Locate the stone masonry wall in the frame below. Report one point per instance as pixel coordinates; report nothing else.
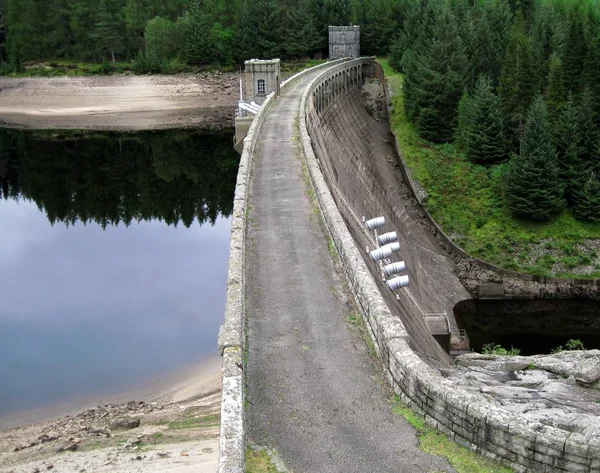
(232, 440)
(482, 426)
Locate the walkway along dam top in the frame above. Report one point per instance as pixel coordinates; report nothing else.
(467, 417)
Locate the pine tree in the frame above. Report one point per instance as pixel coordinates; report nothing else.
(465, 121)
(518, 80)
(379, 24)
(589, 131)
(485, 136)
(569, 146)
(302, 36)
(575, 52)
(586, 199)
(556, 91)
(498, 18)
(337, 12)
(436, 72)
(591, 70)
(20, 31)
(534, 188)
(197, 46)
(260, 30)
(105, 33)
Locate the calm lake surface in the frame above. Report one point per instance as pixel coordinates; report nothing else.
(532, 325)
(113, 259)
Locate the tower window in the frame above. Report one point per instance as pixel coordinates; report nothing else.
(261, 87)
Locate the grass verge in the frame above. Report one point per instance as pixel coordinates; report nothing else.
(259, 461)
(211, 420)
(431, 441)
(465, 199)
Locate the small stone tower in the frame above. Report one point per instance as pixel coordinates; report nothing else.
(344, 41)
(261, 77)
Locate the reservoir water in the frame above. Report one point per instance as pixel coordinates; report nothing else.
(534, 326)
(113, 259)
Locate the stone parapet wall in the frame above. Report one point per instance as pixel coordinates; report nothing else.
(466, 418)
(232, 442)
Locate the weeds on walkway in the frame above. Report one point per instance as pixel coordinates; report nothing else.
(431, 441)
(259, 461)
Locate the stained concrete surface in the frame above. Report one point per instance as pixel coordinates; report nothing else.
(314, 394)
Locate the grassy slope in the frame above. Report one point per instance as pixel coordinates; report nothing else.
(466, 200)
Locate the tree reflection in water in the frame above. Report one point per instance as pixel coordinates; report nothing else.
(109, 178)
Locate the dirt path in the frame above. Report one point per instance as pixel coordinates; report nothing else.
(176, 432)
(120, 102)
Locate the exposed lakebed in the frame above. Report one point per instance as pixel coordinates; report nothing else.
(113, 259)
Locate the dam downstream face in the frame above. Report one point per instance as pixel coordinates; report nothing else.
(534, 326)
(113, 259)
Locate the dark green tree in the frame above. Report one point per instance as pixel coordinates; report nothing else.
(591, 69)
(260, 30)
(302, 36)
(485, 141)
(518, 80)
(465, 121)
(337, 12)
(556, 92)
(197, 42)
(569, 145)
(21, 29)
(534, 189)
(435, 76)
(575, 52)
(379, 25)
(106, 33)
(589, 131)
(586, 198)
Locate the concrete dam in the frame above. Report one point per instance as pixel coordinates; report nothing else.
(348, 150)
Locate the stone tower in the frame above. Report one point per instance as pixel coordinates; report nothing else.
(344, 41)
(261, 77)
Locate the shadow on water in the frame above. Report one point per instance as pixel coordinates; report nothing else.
(109, 178)
(534, 326)
(136, 291)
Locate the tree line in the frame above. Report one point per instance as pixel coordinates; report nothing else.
(158, 35)
(511, 81)
(505, 80)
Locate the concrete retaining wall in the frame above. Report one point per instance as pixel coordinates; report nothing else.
(490, 430)
(232, 442)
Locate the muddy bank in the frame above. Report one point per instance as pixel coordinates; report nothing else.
(120, 102)
(175, 431)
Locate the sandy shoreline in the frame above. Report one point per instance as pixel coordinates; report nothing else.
(120, 102)
(174, 386)
(177, 431)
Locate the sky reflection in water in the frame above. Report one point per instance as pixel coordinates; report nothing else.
(86, 310)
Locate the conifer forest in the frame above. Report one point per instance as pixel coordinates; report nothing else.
(505, 81)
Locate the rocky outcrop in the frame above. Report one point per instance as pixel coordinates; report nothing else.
(560, 390)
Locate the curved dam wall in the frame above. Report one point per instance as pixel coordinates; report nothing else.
(341, 143)
(355, 154)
